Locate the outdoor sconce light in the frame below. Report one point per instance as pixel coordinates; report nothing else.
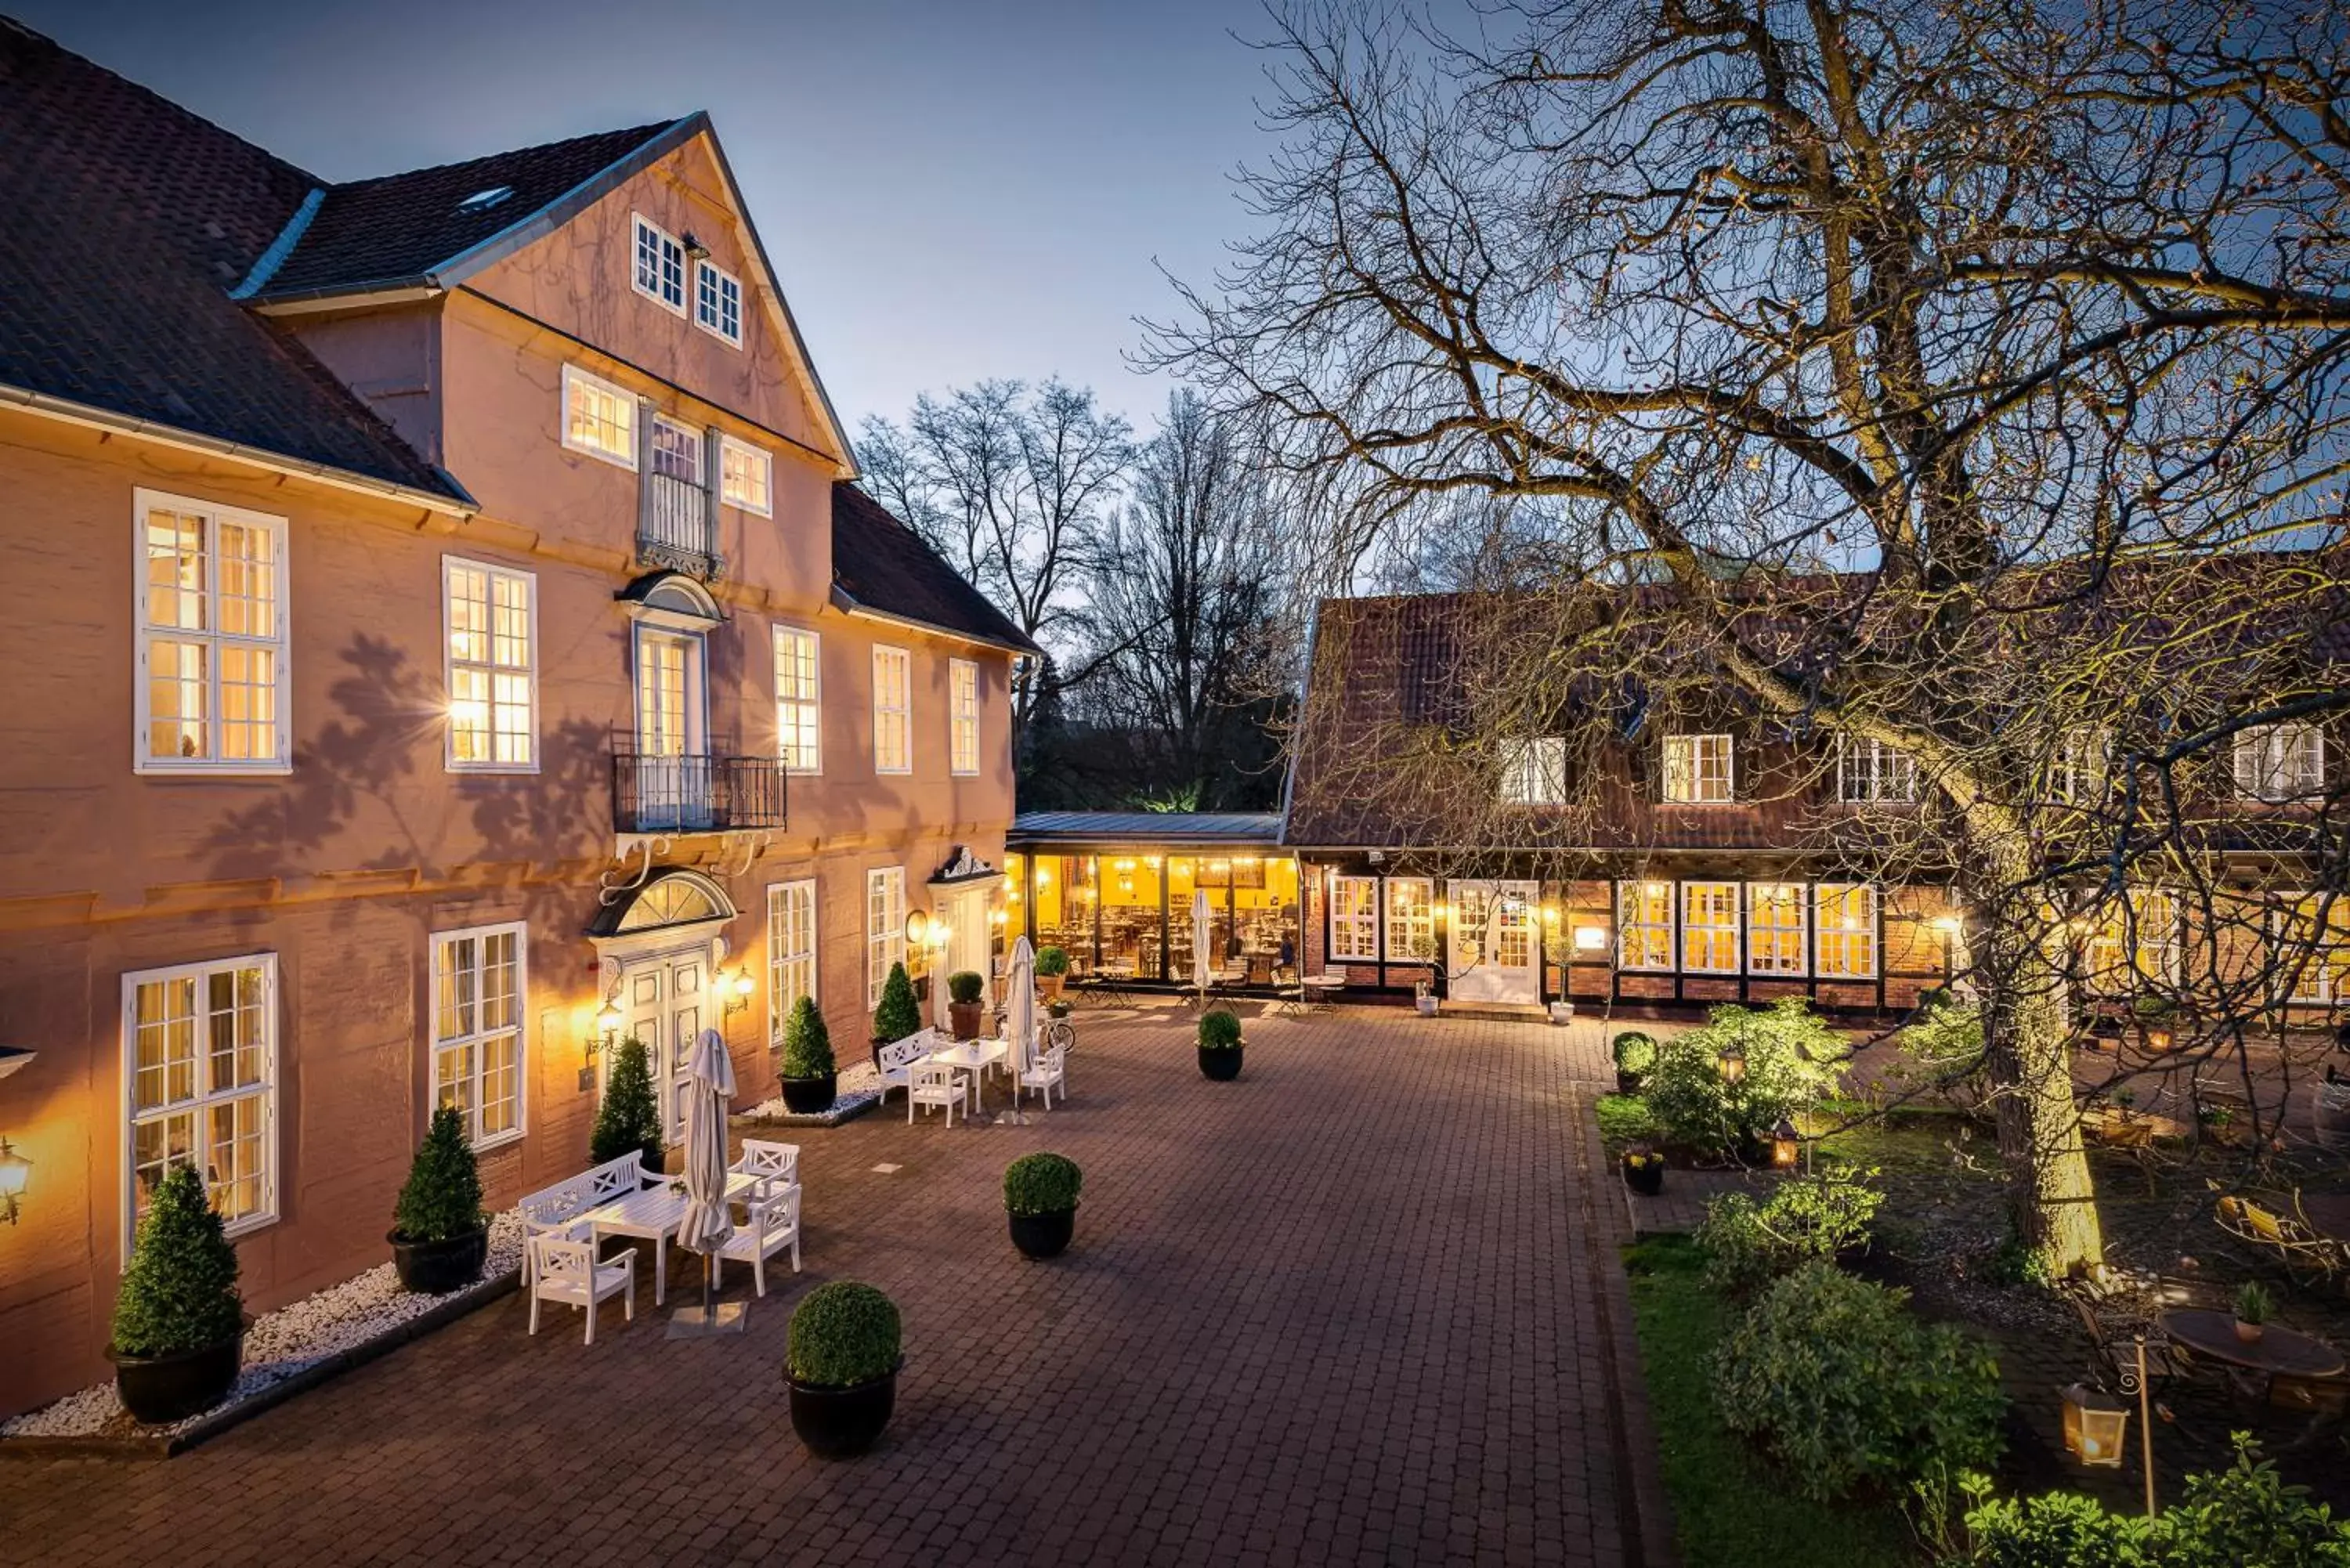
(1786, 1143)
(609, 1020)
(1948, 925)
(739, 987)
(1732, 1063)
(2096, 1426)
(694, 247)
(14, 1171)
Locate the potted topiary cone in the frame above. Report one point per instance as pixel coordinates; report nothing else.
(178, 1322)
(810, 1076)
(899, 1014)
(841, 1364)
(440, 1237)
(1051, 969)
(1040, 1194)
(629, 1116)
(1220, 1045)
(964, 1009)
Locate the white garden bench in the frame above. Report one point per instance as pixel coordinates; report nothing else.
(896, 1061)
(557, 1210)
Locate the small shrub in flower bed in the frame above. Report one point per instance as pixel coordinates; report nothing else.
(1806, 1220)
(1788, 1058)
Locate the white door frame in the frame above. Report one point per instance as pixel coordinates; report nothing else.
(1475, 976)
(656, 957)
(960, 909)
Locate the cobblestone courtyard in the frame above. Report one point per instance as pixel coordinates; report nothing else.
(1360, 1306)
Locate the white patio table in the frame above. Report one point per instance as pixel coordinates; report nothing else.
(654, 1213)
(973, 1056)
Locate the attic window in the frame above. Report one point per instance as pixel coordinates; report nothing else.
(482, 201)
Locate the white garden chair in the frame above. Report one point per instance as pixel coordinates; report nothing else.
(568, 1272)
(775, 1225)
(778, 1161)
(1046, 1072)
(938, 1084)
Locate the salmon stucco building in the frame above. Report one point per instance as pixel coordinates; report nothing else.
(448, 635)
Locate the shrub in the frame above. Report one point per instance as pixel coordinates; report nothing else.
(1837, 1379)
(1942, 1048)
(843, 1333)
(2233, 1517)
(629, 1116)
(1791, 1058)
(180, 1292)
(1635, 1052)
(1042, 1184)
(1807, 1219)
(1052, 960)
(807, 1044)
(1220, 1031)
(2018, 1263)
(441, 1199)
(966, 986)
(2059, 1530)
(898, 1016)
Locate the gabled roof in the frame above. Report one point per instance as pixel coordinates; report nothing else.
(1146, 827)
(883, 567)
(129, 222)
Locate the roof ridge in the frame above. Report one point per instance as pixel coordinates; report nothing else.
(646, 132)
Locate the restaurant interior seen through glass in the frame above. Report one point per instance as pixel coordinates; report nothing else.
(1128, 914)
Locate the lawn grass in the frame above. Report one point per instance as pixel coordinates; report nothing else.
(1624, 1119)
(1730, 1510)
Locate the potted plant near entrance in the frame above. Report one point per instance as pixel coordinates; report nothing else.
(1220, 1045)
(841, 1365)
(1052, 970)
(1644, 1170)
(1635, 1054)
(629, 1116)
(964, 1009)
(1040, 1194)
(179, 1322)
(899, 1014)
(2254, 1309)
(440, 1237)
(810, 1076)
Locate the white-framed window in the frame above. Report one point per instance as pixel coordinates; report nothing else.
(480, 993)
(490, 617)
(598, 417)
(1871, 771)
(717, 302)
(2082, 768)
(676, 450)
(659, 272)
(211, 637)
(1844, 919)
(2311, 948)
(885, 928)
(893, 713)
(2278, 763)
(1778, 929)
(1710, 927)
(791, 951)
(799, 690)
(200, 1078)
(1354, 919)
(1411, 918)
(2135, 940)
(1644, 926)
(962, 716)
(1533, 771)
(1697, 770)
(746, 476)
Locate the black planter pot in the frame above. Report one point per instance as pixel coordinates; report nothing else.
(810, 1096)
(1044, 1235)
(1221, 1063)
(655, 1162)
(967, 1019)
(436, 1268)
(841, 1423)
(1627, 1083)
(160, 1388)
(1647, 1180)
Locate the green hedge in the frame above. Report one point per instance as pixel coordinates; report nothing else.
(2236, 1518)
(1791, 1058)
(1806, 1220)
(1042, 1184)
(843, 1333)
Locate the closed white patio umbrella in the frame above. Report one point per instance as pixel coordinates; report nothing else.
(1020, 1020)
(1203, 935)
(708, 1090)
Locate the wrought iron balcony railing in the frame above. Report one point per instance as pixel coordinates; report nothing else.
(676, 527)
(694, 793)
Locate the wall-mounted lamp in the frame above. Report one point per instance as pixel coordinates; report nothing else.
(608, 1019)
(15, 1169)
(918, 929)
(739, 987)
(695, 248)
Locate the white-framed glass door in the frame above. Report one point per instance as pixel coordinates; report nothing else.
(664, 997)
(673, 783)
(1493, 952)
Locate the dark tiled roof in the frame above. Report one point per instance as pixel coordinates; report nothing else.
(128, 221)
(396, 229)
(1146, 827)
(883, 565)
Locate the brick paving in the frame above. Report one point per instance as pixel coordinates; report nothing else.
(1360, 1306)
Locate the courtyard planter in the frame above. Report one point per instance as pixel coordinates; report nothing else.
(1220, 1046)
(436, 1268)
(440, 1237)
(1040, 1196)
(1645, 1173)
(967, 1018)
(160, 1389)
(179, 1322)
(810, 1096)
(842, 1423)
(841, 1363)
(1044, 1236)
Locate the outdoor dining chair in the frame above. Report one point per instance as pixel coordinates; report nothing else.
(762, 1157)
(775, 1224)
(1049, 1071)
(568, 1272)
(938, 1084)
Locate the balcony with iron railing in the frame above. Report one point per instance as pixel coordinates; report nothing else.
(693, 792)
(677, 526)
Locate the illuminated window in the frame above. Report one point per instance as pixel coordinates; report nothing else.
(1697, 770)
(893, 721)
(1873, 772)
(885, 928)
(1845, 947)
(1533, 772)
(211, 637)
(2078, 772)
(962, 716)
(746, 476)
(2313, 948)
(1644, 925)
(791, 951)
(199, 1049)
(718, 303)
(478, 999)
(1355, 918)
(799, 723)
(2135, 940)
(1776, 928)
(1412, 918)
(1710, 927)
(660, 271)
(492, 622)
(2278, 763)
(598, 417)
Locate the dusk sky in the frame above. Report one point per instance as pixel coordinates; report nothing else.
(949, 190)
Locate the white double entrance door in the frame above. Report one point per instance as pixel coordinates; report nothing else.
(668, 1002)
(1495, 952)
(962, 913)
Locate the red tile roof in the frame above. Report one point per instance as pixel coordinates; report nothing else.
(883, 565)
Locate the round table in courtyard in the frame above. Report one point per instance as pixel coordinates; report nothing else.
(2279, 1351)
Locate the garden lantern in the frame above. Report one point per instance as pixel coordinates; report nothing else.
(1786, 1143)
(1732, 1064)
(15, 1169)
(2095, 1427)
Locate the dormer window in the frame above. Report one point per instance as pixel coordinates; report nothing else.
(659, 272)
(1533, 772)
(2279, 762)
(1697, 770)
(718, 303)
